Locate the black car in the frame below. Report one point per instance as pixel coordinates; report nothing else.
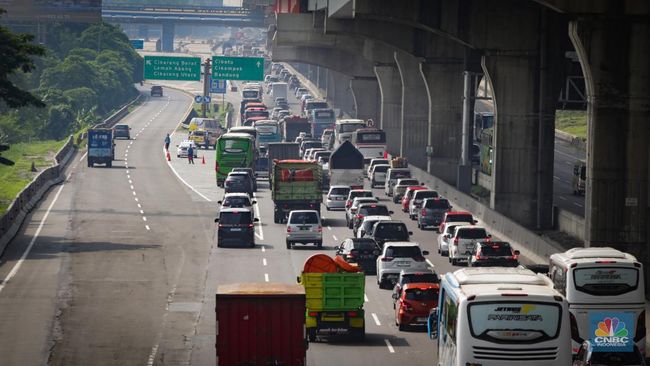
(494, 253)
(251, 174)
(385, 231)
(236, 226)
(238, 182)
(122, 131)
(362, 251)
(156, 90)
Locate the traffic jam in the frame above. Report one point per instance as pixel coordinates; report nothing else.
(584, 307)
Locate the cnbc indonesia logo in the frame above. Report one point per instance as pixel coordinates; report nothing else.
(611, 333)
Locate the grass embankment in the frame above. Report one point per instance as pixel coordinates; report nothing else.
(14, 178)
(220, 115)
(572, 122)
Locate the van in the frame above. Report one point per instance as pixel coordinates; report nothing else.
(392, 175)
(236, 226)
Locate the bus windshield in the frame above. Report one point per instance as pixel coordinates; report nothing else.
(250, 94)
(266, 129)
(514, 321)
(350, 127)
(234, 146)
(374, 137)
(606, 281)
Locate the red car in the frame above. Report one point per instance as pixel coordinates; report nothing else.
(413, 305)
(456, 217)
(408, 194)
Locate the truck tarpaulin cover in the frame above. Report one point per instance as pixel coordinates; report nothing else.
(346, 156)
(296, 175)
(288, 6)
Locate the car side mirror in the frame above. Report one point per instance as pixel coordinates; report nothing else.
(410, 233)
(489, 235)
(216, 220)
(421, 183)
(254, 202)
(425, 252)
(517, 252)
(219, 202)
(432, 324)
(176, 145)
(395, 296)
(256, 220)
(390, 212)
(474, 222)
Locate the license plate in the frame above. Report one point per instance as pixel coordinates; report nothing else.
(235, 229)
(304, 228)
(403, 264)
(421, 320)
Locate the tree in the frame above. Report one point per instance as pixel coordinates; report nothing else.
(17, 51)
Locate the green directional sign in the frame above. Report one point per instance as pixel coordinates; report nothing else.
(237, 68)
(172, 68)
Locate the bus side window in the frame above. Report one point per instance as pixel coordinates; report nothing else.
(450, 313)
(559, 280)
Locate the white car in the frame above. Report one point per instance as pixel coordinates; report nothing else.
(352, 210)
(181, 152)
(376, 161)
(463, 242)
(377, 175)
(397, 256)
(400, 188)
(443, 240)
(303, 227)
(335, 199)
(367, 224)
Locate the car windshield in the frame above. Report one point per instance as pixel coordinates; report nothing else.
(236, 202)
(441, 204)
(304, 218)
(399, 174)
(403, 252)
(374, 210)
(460, 218)
(496, 250)
(420, 277)
(425, 194)
(364, 245)
(381, 169)
(235, 218)
(417, 294)
(354, 195)
(340, 191)
(396, 231)
(472, 234)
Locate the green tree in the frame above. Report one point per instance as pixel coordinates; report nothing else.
(81, 98)
(73, 72)
(60, 119)
(17, 51)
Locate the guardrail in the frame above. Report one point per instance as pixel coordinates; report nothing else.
(27, 199)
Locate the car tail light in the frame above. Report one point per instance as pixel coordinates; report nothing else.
(320, 229)
(456, 241)
(640, 327)
(352, 314)
(419, 258)
(220, 225)
(311, 205)
(288, 229)
(353, 254)
(387, 259)
(313, 314)
(423, 212)
(478, 255)
(359, 216)
(286, 206)
(250, 226)
(353, 209)
(348, 203)
(514, 257)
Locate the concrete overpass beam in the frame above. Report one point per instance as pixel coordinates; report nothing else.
(614, 57)
(168, 29)
(444, 85)
(365, 92)
(390, 92)
(414, 118)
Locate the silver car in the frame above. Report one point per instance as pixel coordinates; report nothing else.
(304, 227)
(400, 188)
(335, 199)
(378, 175)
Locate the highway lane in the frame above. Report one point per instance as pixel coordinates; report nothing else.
(565, 157)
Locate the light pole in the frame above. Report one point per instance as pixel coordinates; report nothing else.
(206, 86)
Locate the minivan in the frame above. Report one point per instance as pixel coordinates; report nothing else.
(304, 227)
(236, 226)
(392, 175)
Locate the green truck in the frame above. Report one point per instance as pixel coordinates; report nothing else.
(295, 185)
(334, 304)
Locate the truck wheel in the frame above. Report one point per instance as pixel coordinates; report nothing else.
(319, 244)
(109, 164)
(311, 335)
(358, 334)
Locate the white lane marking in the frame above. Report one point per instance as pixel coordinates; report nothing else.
(390, 346)
(259, 224)
(134, 193)
(365, 298)
(429, 263)
(132, 187)
(130, 181)
(152, 355)
(263, 248)
(266, 277)
(374, 316)
(181, 179)
(139, 205)
(142, 212)
(20, 262)
(556, 177)
(264, 261)
(126, 154)
(136, 199)
(334, 236)
(562, 198)
(565, 154)
(127, 172)
(147, 226)
(577, 204)
(131, 143)
(83, 156)
(329, 227)
(144, 218)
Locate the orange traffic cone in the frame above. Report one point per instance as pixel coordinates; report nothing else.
(169, 158)
(203, 160)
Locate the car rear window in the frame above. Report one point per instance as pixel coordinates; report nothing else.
(403, 252)
(417, 294)
(304, 218)
(340, 191)
(236, 202)
(441, 204)
(354, 195)
(365, 245)
(121, 127)
(397, 231)
(460, 218)
(472, 233)
(381, 169)
(235, 218)
(372, 211)
(420, 195)
(496, 250)
(408, 182)
(420, 277)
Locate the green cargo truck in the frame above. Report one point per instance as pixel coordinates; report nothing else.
(295, 185)
(334, 304)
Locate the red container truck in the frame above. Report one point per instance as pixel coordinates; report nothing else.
(261, 324)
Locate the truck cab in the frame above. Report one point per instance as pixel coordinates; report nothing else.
(101, 148)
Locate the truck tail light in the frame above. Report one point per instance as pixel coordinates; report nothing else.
(250, 226)
(353, 314)
(320, 229)
(313, 314)
(387, 259)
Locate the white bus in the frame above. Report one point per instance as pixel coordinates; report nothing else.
(599, 284)
(371, 142)
(500, 316)
(344, 128)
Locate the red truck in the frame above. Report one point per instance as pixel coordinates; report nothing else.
(261, 324)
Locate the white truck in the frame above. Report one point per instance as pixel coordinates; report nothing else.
(279, 90)
(346, 166)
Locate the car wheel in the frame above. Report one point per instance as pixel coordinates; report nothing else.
(218, 243)
(402, 327)
(319, 244)
(439, 251)
(454, 262)
(288, 245)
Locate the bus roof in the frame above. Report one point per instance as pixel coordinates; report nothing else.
(232, 135)
(341, 121)
(499, 281)
(592, 255)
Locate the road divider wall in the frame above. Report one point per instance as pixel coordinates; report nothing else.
(571, 223)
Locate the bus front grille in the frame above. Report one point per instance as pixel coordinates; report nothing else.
(520, 354)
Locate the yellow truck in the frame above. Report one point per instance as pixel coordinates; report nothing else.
(203, 139)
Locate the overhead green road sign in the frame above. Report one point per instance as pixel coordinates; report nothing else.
(237, 68)
(172, 68)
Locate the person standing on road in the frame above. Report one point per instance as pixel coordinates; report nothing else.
(168, 140)
(190, 154)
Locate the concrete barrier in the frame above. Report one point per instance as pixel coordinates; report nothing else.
(571, 224)
(576, 141)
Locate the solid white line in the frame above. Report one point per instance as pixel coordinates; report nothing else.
(152, 355)
(429, 263)
(329, 227)
(183, 180)
(365, 298)
(83, 156)
(147, 226)
(18, 264)
(266, 277)
(264, 261)
(374, 316)
(390, 346)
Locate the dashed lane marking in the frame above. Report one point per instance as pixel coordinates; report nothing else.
(266, 277)
(264, 261)
(374, 316)
(365, 298)
(147, 227)
(390, 346)
(334, 236)
(83, 156)
(429, 263)
(263, 248)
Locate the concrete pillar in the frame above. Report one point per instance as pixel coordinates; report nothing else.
(443, 82)
(614, 57)
(339, 94)
(390, 108)
(365, 92)
(322, 78)
(414, 119)
(168, 29)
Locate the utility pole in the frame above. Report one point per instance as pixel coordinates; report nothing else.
(206, 86)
